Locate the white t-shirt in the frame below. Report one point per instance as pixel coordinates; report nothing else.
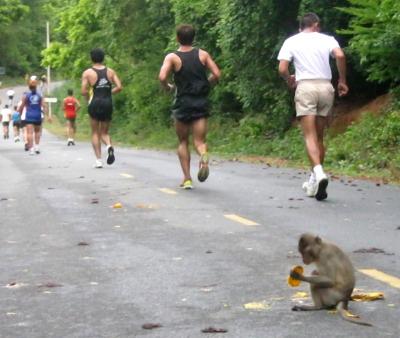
(310, 54)
(5, 113)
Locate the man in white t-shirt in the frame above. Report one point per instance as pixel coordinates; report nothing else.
(310, 50)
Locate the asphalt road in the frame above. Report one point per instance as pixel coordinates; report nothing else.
(74, 266)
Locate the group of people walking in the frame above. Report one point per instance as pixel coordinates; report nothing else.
(309, 50)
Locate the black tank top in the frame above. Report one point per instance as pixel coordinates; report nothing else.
(191, 79)
(102, 87)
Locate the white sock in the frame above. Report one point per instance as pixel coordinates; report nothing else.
(319, 172)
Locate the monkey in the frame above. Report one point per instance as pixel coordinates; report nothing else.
(333, 281)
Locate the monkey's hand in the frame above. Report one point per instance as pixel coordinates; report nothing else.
(295, 275)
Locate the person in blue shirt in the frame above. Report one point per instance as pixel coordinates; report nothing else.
(16, 118)
(34, 104)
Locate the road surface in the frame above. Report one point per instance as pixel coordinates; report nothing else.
(217, 256)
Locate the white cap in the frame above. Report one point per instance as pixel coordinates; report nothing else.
(10, 92)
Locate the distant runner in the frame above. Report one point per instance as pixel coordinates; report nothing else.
(310, 52)
(16, 118)
(5, 120)
(33, 102)
(191, 107)
(71, 107)
(97, 87)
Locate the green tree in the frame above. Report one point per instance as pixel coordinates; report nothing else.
(375, 37)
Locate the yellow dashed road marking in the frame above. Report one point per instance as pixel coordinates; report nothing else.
(168, 191)
(126, 175)
(381, 276)
(239, 219)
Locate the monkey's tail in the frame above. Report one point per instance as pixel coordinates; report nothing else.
(348, 317)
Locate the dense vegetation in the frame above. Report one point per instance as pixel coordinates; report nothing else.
(252, 109)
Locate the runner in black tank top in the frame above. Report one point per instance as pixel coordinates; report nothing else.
(100, 105)
(192, 85)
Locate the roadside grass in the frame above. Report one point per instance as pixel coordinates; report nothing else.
(7, 81)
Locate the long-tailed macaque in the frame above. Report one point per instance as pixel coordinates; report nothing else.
(333, 281)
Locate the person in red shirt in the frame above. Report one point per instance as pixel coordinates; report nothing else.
(71, 107)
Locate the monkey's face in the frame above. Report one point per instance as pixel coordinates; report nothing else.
(309, 247)
(307, 256)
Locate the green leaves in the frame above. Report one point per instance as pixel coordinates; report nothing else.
(375, 37)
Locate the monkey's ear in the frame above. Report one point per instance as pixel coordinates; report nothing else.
(318, 240)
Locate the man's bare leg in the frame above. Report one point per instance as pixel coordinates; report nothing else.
(96, 137)
(183, 131)
(309, 126)
(313, 130)
(199, 129)
(105, 137)
(321, 125)
(199, 140)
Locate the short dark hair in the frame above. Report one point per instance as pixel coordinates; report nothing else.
(308, 20)
(70, 92)
(97, 55)
(185, 34)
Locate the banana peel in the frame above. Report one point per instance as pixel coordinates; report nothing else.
(295, 282)
(367, 296)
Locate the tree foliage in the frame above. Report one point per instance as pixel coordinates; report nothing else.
(243, 36)
(375, 37)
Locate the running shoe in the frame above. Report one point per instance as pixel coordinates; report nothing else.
(26, 147)
(204, 171)
(98, 164)
(322, 184)
(111, 157)
(37, 150)
(31, 152)
(310, 188)
(187, 185)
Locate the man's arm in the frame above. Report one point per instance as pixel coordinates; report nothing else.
(85, 85)
(338, 53)
(117, 83)
(213, 68)
(165, 72)
(285, 74)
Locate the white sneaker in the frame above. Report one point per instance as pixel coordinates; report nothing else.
(310, 188)
(98, 164)
(322, 184)
(31, 152)
(37, 150)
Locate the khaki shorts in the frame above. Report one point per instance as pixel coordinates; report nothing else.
(314, 97)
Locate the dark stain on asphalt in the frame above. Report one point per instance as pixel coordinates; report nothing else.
(50, 188)
(3, 199)
(83, 244)
(95, 201)
(50, 285)
(398, 228)
(213, 330)
(374, 250)
(151, 326)
(209, 252)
